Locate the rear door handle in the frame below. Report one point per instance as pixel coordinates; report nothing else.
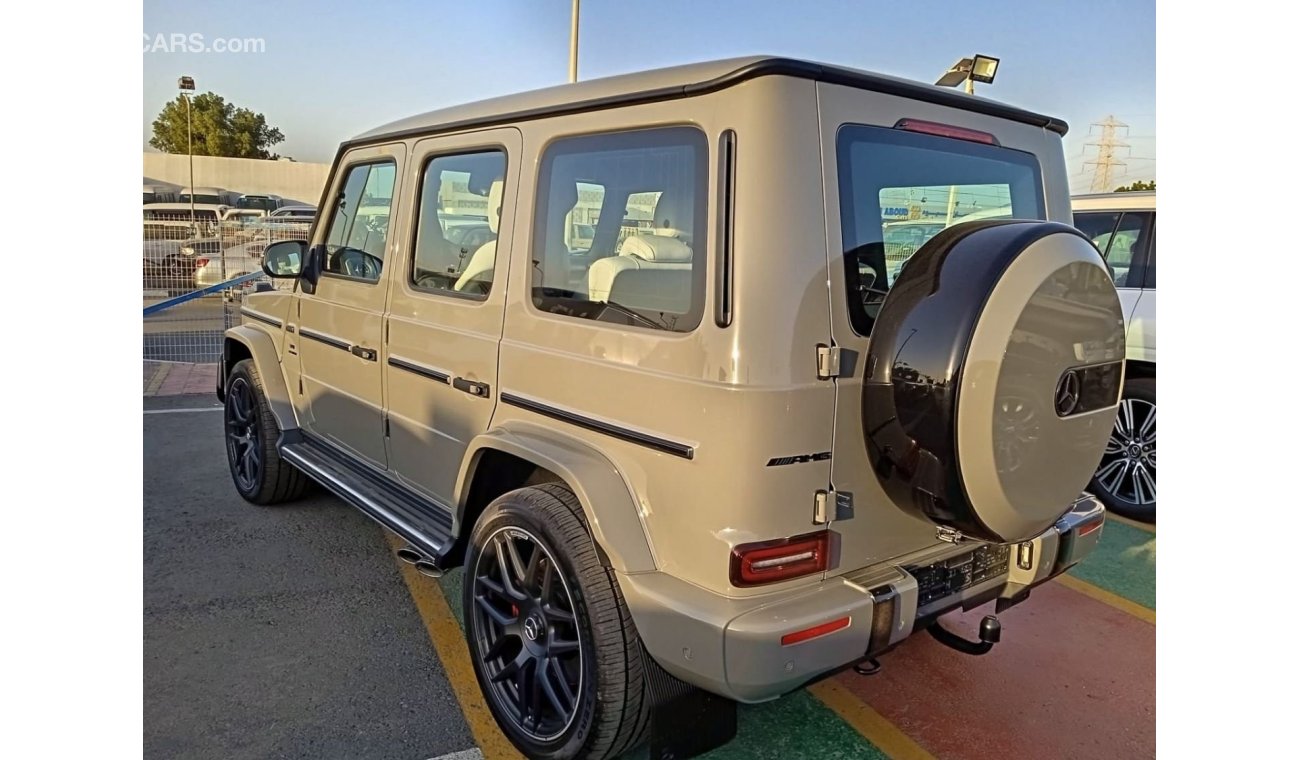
(482, 390)
(369, 354)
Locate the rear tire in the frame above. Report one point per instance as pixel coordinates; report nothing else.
(513, 623)
(258, 472)
(1126, 478)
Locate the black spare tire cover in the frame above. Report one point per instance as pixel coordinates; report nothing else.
(993, 377)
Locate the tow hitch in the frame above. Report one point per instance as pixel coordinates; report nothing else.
(990, 634)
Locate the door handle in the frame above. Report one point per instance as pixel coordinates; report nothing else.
(369, 354)
(471, 387)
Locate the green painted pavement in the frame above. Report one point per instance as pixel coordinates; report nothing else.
(796, 725)
(1123, 563)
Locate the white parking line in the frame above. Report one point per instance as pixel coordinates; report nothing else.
(468, 754)
(182, 411)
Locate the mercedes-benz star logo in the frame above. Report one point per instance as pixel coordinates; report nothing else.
(1067, 393)
(532, 628)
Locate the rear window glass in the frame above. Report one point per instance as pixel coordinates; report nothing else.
(899, 189)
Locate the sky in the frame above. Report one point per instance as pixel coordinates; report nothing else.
(326, 74)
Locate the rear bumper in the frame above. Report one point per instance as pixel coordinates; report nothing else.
(733, 647)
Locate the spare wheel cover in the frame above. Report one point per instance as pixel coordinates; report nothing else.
(993, 377)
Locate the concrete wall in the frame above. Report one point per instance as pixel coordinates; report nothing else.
(292, 180)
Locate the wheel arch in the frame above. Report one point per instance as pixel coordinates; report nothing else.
(531, 455)
(249, 342)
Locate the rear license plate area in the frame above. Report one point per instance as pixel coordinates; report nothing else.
(954, 575)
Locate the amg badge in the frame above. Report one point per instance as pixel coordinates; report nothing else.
(800, 459)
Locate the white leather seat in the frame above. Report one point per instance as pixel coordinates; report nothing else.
(650, 272)
(482, 264)
(639, 253)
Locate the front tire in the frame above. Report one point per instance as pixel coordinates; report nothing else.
(1125, 480)
(259, 474)
(554, 648)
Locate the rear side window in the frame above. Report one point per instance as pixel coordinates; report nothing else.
(620, 228)
(899, 189)
(358, 231)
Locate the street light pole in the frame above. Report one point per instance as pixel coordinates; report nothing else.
(573, 44)
(186, 86)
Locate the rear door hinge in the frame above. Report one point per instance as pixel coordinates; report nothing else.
(822, 503)
(828, 362)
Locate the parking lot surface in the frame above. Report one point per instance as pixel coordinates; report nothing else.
(293, 632)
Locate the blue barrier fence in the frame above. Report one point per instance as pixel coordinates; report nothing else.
(178, 300)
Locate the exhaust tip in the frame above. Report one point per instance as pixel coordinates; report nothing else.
(409, 555)
(428, 569)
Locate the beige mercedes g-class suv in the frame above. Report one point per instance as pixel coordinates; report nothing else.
(697, 433)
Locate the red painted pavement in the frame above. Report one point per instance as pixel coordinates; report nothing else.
(1072, 678)
(177, 379)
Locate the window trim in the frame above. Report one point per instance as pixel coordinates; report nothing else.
(392, 207)
(699, 290)
(841, 162)
(408, 281)
(724, 307)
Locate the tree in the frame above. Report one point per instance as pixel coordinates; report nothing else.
(1137, 187)
(220, 129)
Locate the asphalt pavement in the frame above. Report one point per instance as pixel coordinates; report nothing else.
(292, 632)
(274, 632)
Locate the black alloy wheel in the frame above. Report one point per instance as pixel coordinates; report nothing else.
(527, 640)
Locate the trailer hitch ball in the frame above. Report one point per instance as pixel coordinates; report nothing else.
(990, 634)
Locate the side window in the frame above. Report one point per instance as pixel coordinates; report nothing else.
(620, 228)
(456, 232)
(1123, 252)
(1098, 226)
(358, 231)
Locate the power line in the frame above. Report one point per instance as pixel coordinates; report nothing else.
(1106, 162)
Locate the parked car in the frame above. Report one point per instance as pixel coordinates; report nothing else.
(160, 192)
(298, 213)
(700, 465)
(1123, 227)
(267, 203)
(167, 267)
(217, 196)
(180, 221)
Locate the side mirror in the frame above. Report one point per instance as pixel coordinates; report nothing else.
(284, 258)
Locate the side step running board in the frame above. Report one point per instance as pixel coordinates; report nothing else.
(422, 523)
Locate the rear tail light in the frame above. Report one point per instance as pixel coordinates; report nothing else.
(946, 130)
(771, 561)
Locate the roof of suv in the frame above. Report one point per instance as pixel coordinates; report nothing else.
(680, 82)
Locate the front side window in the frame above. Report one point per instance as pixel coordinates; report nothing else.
(456, 233)
(899, 189)
(358, 231)
(620, 228)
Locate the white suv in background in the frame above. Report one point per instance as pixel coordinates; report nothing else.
(1123, 227)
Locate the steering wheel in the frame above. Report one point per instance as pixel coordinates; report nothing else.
(355, 263)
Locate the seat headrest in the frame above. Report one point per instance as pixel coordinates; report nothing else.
(672, 220)
(665, 250)
(494, 205)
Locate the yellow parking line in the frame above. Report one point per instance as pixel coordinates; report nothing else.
(449, 642)
(1131, 523)
(1106, 597)
(877, 729)
(156, 380)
